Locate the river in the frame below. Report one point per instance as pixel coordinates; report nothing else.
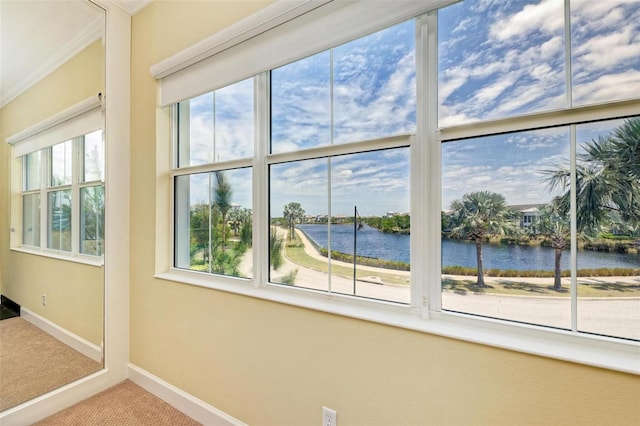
(372, 243)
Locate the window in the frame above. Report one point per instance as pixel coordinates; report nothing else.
(442, 162)
(213, 181)
(577, 258)
(63, 181)
(60, 185)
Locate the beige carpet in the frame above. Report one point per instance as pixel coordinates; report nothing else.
(32, 362)
(123, 404)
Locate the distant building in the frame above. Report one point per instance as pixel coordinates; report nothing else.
(529, 213)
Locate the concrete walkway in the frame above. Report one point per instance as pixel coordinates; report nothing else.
(618, 317)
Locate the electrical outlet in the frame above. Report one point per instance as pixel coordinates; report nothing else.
(329, 417)
(44, 300)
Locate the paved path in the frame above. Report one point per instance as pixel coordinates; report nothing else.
(613, 316)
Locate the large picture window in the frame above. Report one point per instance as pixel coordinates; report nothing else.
(477, 161)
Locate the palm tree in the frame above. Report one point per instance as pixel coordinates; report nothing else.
(293, 213)
(479, 215)
(607, 179)
(222, 199)
(554, 225)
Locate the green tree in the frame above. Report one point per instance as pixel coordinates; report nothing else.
(478, 215)
(222, 200)
(607, 179)
(293, 213)
(553, 224)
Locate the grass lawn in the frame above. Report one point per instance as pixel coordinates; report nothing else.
(603, 289)
(298, 255)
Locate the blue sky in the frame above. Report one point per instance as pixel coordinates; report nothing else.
(496, 59)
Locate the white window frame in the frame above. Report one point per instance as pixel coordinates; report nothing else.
(72, 125)
(425, 313)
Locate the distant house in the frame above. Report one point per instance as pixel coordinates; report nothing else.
(529, 213)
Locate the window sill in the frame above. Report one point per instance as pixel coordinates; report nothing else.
(76, 258)
(597, 351)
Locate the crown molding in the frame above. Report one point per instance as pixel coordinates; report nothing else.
(91, 32)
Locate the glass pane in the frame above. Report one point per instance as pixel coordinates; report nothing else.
(608, 211)
(31, 164)
(505, 244)
(374, 93)
(605, 52)
(92, 220)
(298, 195)
(213, 229)
(499, 59)
(217, 126)
(93, 157)
(61, 164)
(375, 85)
(369, 218)
(59, 237)
(31, 220)
(301, 104)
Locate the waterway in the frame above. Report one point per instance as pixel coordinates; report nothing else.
(372, 243)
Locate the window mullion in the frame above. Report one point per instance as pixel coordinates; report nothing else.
(574, 228)
(429, 206)
(45, 179)
(260, 183)
(567, 55)
(76, 177)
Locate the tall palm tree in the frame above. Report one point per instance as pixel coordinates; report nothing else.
(293, 213)
(478, 215)
(554, 225)
(222, 199)
(607, 178)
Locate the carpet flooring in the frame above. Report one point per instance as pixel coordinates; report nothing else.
(33, 362)
(125, 404)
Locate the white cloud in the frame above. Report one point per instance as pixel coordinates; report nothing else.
(547, 16)
(608, 87)
(606, 51)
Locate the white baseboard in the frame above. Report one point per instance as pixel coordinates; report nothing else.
(193, 407)
(76, 342)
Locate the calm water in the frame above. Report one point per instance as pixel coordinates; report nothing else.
(372, 243)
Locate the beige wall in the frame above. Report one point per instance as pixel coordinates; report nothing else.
(74, 291)
(272, 364)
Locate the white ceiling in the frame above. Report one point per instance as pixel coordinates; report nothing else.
(37, 36)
